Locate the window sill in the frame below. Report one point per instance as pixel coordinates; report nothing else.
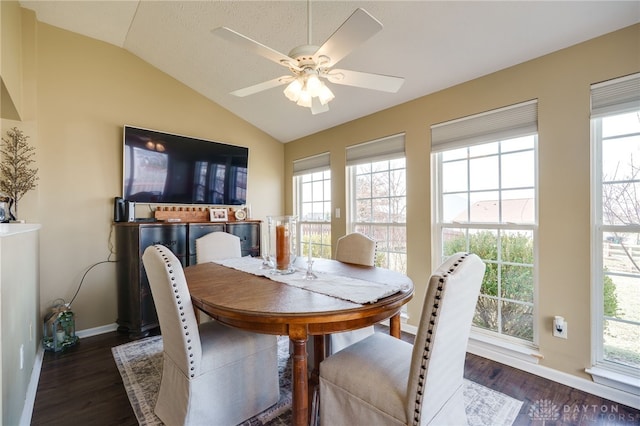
(615, 380)
(500, 350)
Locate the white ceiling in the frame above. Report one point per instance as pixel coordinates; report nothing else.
(432, 44)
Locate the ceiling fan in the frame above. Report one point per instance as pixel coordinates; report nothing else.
(308, 63)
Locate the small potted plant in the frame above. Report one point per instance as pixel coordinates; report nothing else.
(16, 176)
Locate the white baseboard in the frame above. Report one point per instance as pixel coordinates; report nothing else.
(576, 382)
(32, 389)
(97, 330)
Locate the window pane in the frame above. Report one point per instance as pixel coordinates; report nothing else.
(622, 124)
(453, 241)
(397, 179)
(380, 210)
(363, 210)
(454, 176)
(363, 186)
(517, 283)
(454, 208)
(454, 154)
(484, 149)
(397, 240)
(483, 173)
(517, 144)
(398, 163)
(363, 168)
(622, 297)
(518, 206)
(621, 203)
(620, 158)
(398, 208)
(621, 343)
(380, 184)
(621, 252)
(317, 189)
(486, 315)
(517, 320)
(484, 207)
(517, 247)
(397, 262)
(517, 170)
(484, 243)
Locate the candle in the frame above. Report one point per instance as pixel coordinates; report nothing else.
(282, 247)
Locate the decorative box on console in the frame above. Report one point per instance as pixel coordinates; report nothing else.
(182, 214)
(199, 214)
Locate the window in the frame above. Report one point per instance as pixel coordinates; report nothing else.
(312, 204)
(377, 198)
(615, 127)
(485, 203)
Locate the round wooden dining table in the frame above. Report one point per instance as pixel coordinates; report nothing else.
(259, 304)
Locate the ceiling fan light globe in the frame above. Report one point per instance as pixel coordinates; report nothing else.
(293, 90)
(305, 99)
(326, 95)
(314, 85)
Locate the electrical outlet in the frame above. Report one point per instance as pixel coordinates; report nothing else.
(560, 327)
(21, 357)
(31, 332)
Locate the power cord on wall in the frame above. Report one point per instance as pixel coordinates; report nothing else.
(85, 274)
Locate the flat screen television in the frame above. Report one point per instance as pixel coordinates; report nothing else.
(165, 168)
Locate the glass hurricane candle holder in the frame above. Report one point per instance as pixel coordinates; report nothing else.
(282, 235)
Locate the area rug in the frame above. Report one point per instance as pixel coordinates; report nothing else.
(140, 365)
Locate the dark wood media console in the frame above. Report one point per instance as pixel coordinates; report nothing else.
(136, 310)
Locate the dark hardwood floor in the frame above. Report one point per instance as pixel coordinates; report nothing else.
(82, 386)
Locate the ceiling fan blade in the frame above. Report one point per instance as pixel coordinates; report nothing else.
(357, 29)
(241, 93)
(317, 107)
(384, 83)
(254, 47)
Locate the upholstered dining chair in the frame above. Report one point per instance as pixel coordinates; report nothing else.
(211, 374)
(382, 380)
(217, 245)
(358, 249)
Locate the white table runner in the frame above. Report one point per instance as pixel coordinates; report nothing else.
(346, 288)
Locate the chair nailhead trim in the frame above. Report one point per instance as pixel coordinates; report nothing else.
(426, 354)
(163, 251)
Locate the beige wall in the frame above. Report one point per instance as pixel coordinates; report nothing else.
(561, 83)
(85, 91)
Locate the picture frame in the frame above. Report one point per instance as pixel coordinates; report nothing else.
(218, 215)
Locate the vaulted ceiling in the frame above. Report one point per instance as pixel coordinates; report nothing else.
(431, 44)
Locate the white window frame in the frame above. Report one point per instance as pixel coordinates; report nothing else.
(308, 167)
(609, 98)
(491, 126)
(385, 149)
